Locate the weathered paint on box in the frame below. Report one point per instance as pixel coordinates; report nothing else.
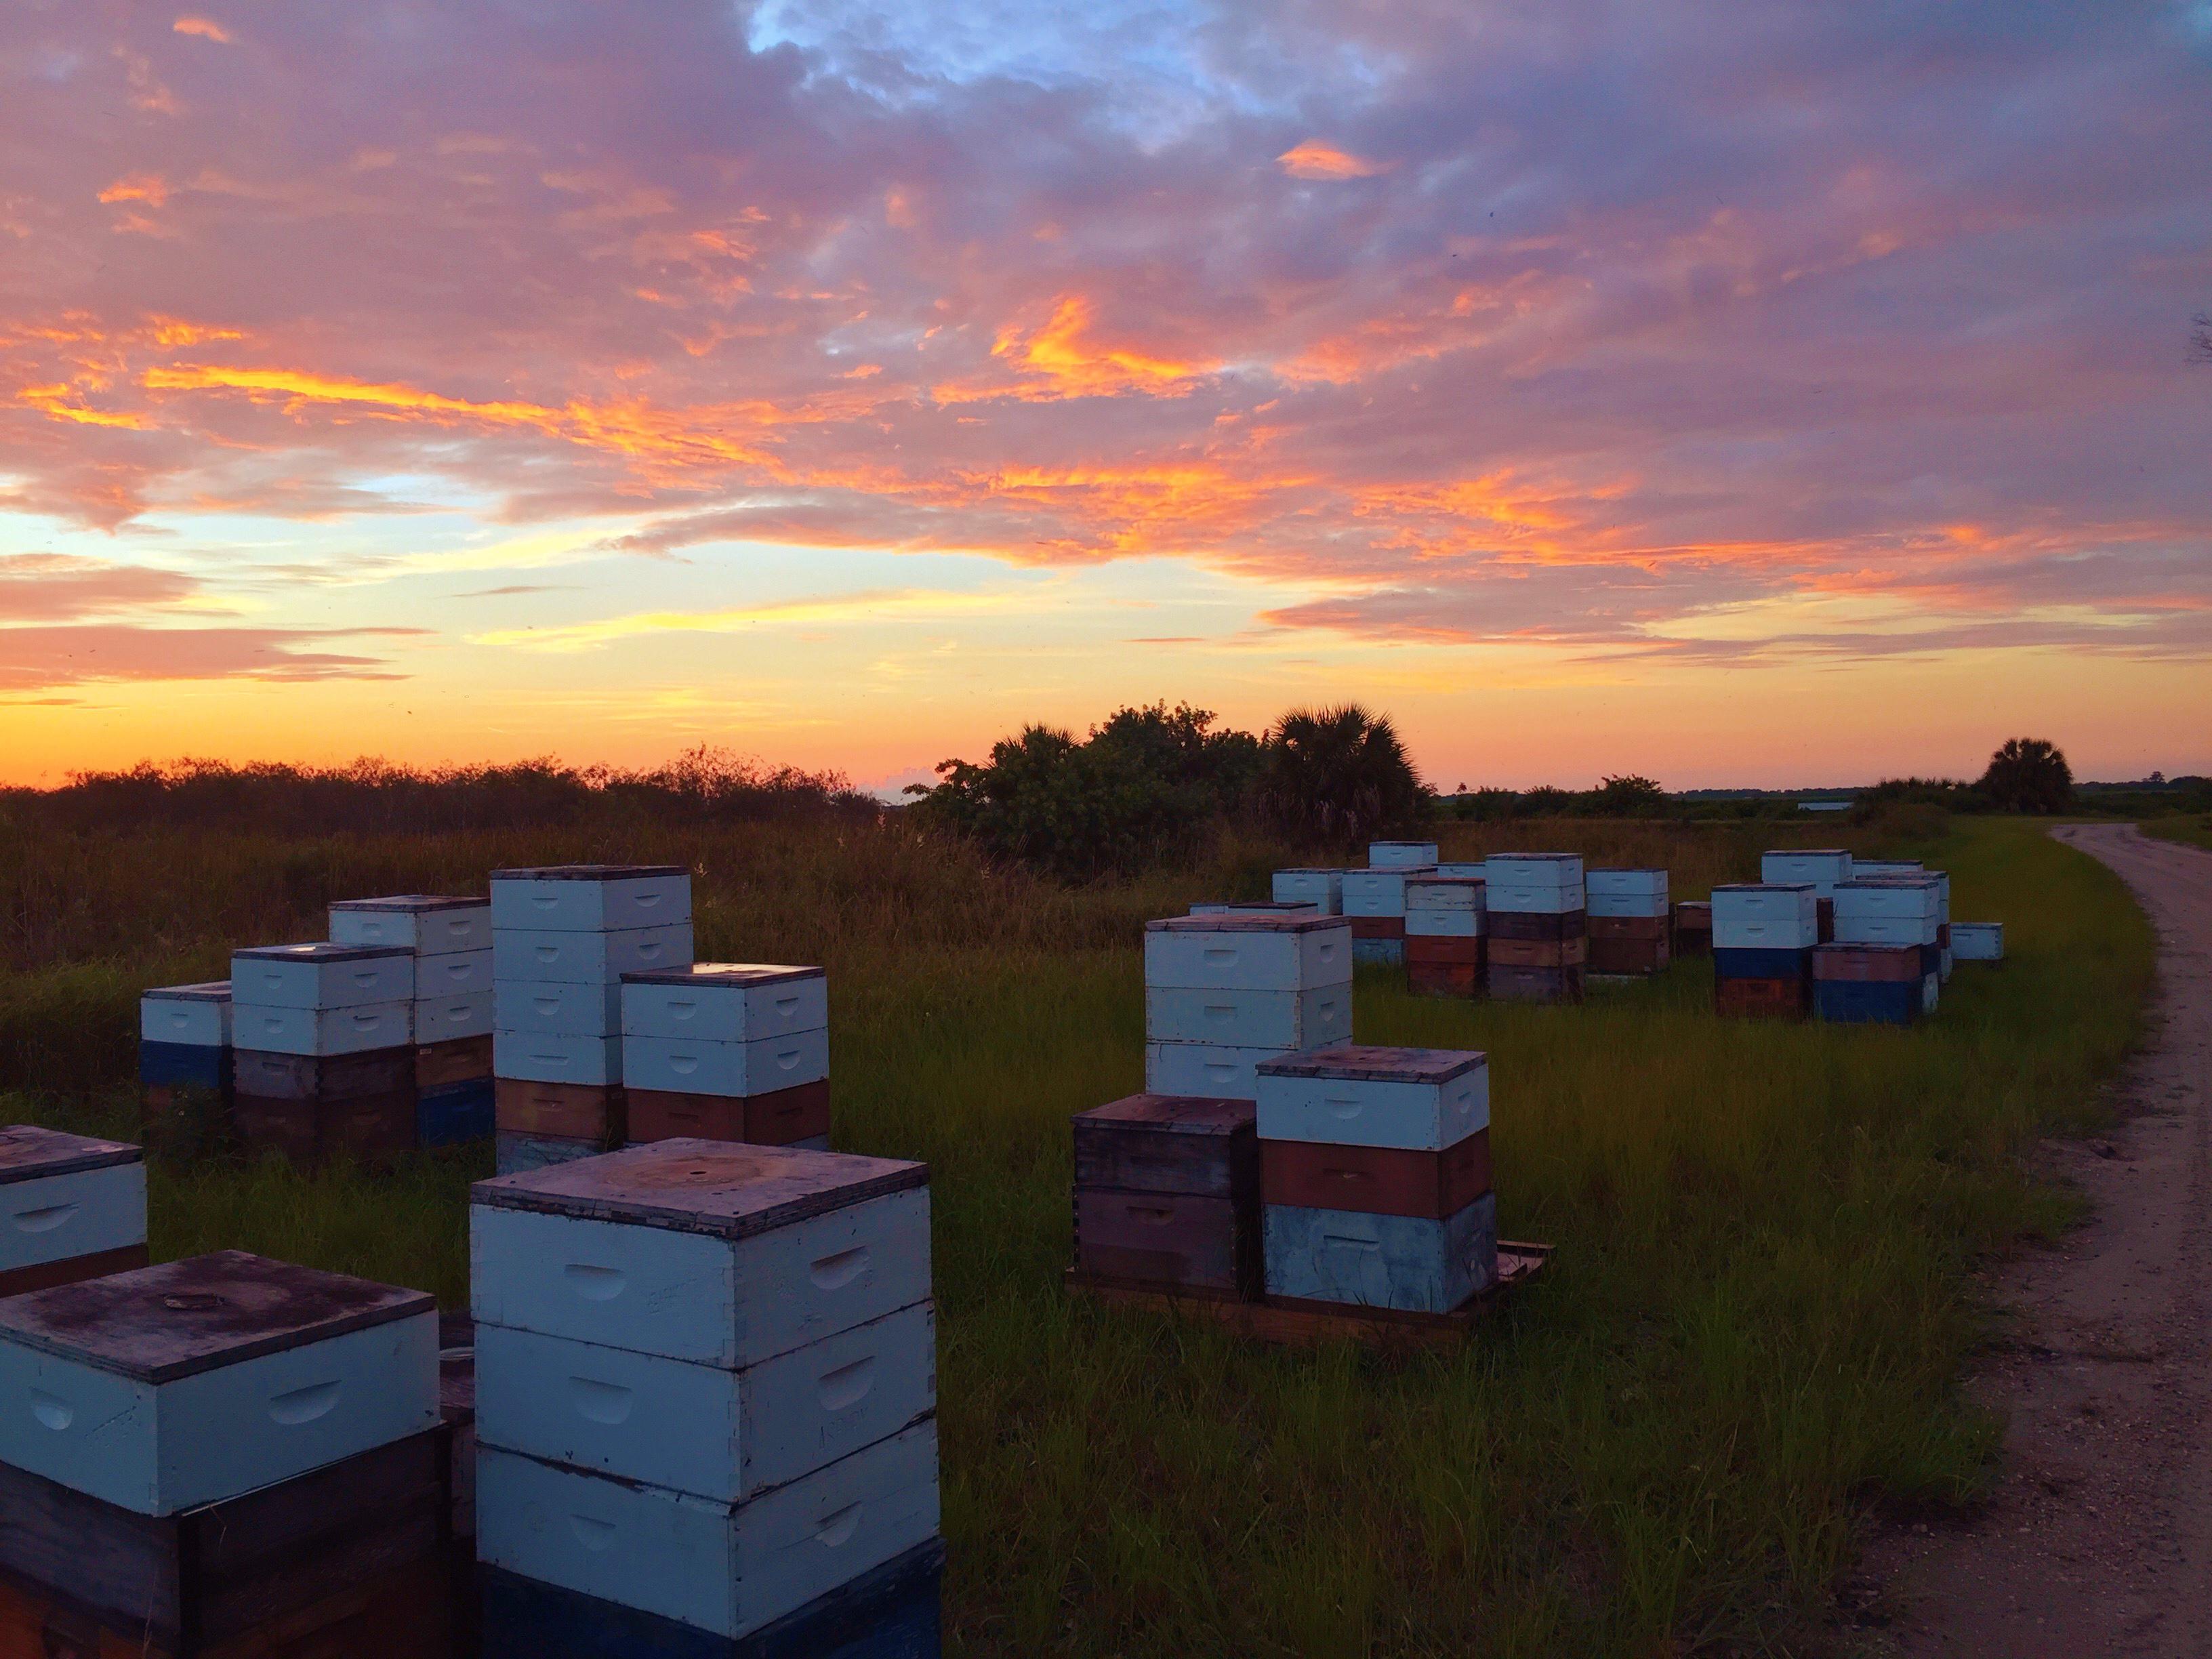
(1510, 984)
(516, 1152)
(588, 958)
(1401, 854)
(322, 1077)
(1978, 941)
(1540, 952)
(1322, 888)
(798, 1116)
(1216, 1070)
(184, 1065)
(593, 1061)
(1430, 950)
(1410, 1262)
(320, 976)
(728, 1569)
(1169, 1144)
(1358, 1094)
(1523, 898)
(456, 1112)
(454, 974)
(81, 1211)
(322, 1033)
(29, 1152)
(196, 1016)
(427, 924)
(591, 898)
(1443, 893)
(1380, 952)
(1885, 869)
(1180, 1240)
(547, 1007)
(1889, 898)
(199, 1380)
(461, 1060)
(1611, 883)
(1550, 925)
(569, 1111)
(1252, 908)
(1251, 1019)
(1444, 924)
(374, 1129)
(452, 1020)
(714, 1432)
(725, 1002)
(1627, 956)
(890, 1612)
(1878, 964)
(1248, 953)
(1379, 1180)
(691, 1296)
(689, 1065)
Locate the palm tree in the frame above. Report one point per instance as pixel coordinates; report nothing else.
(2028, 775)
(1337, 776)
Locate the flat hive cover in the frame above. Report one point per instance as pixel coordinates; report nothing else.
(736, 975)
(1365, 1062)
(588, 872)
(30, 1153)
(410, 903)
(321, 950)
(1244, 922)
(724, 1188)
(1189, 1115)
(158, 1324)
(213, 990)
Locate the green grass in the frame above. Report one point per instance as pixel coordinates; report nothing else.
(1751, 1335)
(2191, 831)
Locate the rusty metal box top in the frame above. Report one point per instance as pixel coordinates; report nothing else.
(726, 1189)
(205, 1312)
(30, 1153)
(1367, 1062)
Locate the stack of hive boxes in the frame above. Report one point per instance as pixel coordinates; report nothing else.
(184, 1063)
(1868, 984)
(1222, 993)
(706, 1404)
(727, 1051)
(563, 938)
(1913, 869)
(70, 1207)
(1375, 898)
(1444, 935)
(450, 939)
(1895, 910)
(324, 1061)
(1539, 926)
(1322, 888)
(1167, 1195)
(1820, 868)
(230, 1456)
(1628, 922)
(1375, 1177)
(1693, 928)
(1764, 936)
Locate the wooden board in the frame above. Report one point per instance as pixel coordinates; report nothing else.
(1387, 1180)
(567, 1111)
(781, 1117)
(373, 1129)
(1291, 1323)
(1439, 951)
(1646, 928)
(1379, 927)
(1172, 1238)
(1536, 925)
(1539, 952)
(463, 1059)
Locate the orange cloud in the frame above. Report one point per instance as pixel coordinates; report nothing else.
(205, 28)
(1317, 159)
(146, 187)
(1073, 363)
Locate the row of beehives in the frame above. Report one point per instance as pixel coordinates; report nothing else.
(565, 1013)
(699, 1416)
(1272, 1156)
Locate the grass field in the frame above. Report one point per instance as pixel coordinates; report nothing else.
(1751, 1333)
(2190, 832)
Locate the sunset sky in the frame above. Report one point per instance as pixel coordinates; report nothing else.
(1793, 392)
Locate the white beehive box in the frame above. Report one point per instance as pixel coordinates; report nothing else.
(1765, 916)
(1534, 884)
(1248, 953)
(1625, 892)
(1322, 888)
(723, 1435)
(718, 1567)
(450, 1019)
(323, 1032)
(196, 1016)
(456, 974)
(1978, 941)
(1359, 1095)
(428, 924)
(1819, 868)
(63, 1196)
(594, 1062)
(1216, 1071)
(577, 957)
(725, 1002)
(1890, 910)
(716, 1252)
(1257, 1019)
(1376, 892)
(1444, 907)
(550, 1007)
(591, 898)
(322, 976)
(1253, 907)
(687, 1066)
(184, 1385)
(1401, 854)
(1885, 869)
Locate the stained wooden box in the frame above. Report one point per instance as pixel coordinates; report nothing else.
(1892, 963)
(1537, 926)
(373, 1129)
(67, 1199)
(1365, 927)
(590, 898)
(705, 1250)
(462, 1059)
(1443, 979)
(1693, 928)
(1627, 956)
(1164, 1143)
(889, 1611)
(1431, 951)
(1572, 952)
(1760, 999)
(783, 1117)
(1510, 984)
(322, 1077)
(1206, 1244)
(196, 1381)
(1640, 929)
(572, 1111)
(1414, 1263)
(292, 1559)
(1380, 1180)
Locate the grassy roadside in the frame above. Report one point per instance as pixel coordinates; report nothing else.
(2190, 831)
(1753, 1330)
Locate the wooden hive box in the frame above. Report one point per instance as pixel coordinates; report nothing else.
(173, 1387)
(371, 1129)
(71, 1207)
(590, 898)
(798, 1116)
(1167, 1191)
(1508, 983)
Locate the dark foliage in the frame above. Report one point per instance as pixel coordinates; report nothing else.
(1337, 777)
(2028, 775)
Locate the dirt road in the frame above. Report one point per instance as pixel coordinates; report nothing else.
(2099, 1540)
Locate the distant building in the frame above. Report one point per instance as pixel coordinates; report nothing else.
(1824, 806)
